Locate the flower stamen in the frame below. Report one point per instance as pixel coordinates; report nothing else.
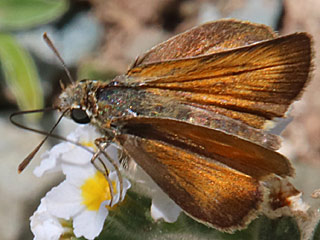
(95, 190)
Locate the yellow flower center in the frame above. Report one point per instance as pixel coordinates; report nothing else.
(95, 190)
(89, 144)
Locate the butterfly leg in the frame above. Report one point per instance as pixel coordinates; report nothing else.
(104, 171)
(102, 144)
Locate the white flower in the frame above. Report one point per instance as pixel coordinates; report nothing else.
(69, 153)
(84, 196)
(45, 226)
(165, 208)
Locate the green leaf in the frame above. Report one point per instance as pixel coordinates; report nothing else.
(18, 14)
(20, 74)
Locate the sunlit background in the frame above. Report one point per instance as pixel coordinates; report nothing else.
(98, 39)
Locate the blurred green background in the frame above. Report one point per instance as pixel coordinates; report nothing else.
(98, 39)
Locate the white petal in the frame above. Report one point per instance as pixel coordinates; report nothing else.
(165, 208)
(64, 201)
(77, 155)
(90, 223)
(87, 133)
(162, 206)
(47, 165)
(76, 175)
(84, 133)
(51, 159)
(59, 149)
(44, 226)
(126, 185)
(78, 132)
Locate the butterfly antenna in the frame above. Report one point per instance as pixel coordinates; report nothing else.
(28, 159)
(54, 49)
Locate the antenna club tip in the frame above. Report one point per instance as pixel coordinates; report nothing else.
(45, 35)
(23, 165)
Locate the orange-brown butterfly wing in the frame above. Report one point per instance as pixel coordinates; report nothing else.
(236, 153)
(205, 189)
(256, 82)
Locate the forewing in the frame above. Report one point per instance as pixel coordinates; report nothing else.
(261, 79)
(206, 39)
(230, 150)
(206, 190)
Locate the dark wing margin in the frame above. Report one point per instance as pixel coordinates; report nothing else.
(207, 191)
(211, 37)
(232, 151)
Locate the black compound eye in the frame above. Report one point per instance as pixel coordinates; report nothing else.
(80, 116)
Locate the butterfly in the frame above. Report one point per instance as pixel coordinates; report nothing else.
(194, 114)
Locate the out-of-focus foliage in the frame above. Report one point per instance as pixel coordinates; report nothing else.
(20, 73)
(21, 14)
(90, 71)
(18, 66)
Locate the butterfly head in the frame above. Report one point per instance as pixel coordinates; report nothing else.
(77, 101)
